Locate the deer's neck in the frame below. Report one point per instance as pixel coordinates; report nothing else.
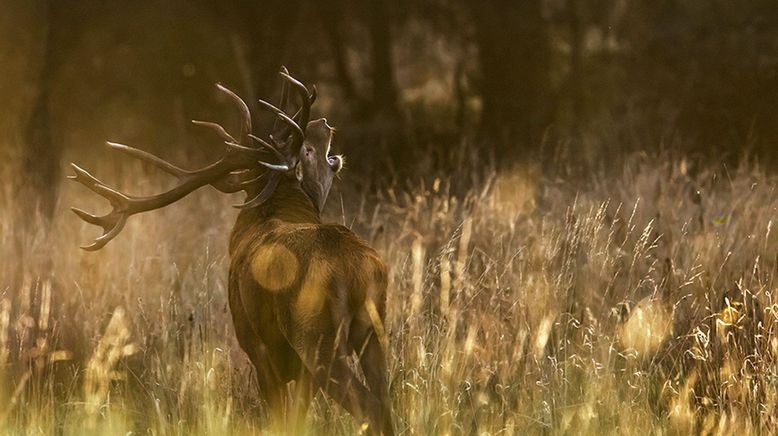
(288, 204)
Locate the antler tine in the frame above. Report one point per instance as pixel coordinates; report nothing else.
(274, 167)
(305, 99)
(284, 99)
(285, 118)
(263, 195)
(228, 186)
(237, 181)
(113, 222)
(217, 128)
(244, 109)
(150, 158)
(267, 145)
(95, 185)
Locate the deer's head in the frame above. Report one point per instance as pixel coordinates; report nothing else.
(315, 167)
(303, 146)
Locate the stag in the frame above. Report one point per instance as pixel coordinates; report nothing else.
(304, 295)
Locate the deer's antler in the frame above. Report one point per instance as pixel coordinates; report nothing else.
(290, 136)
(240, 168)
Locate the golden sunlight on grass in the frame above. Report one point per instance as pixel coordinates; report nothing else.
(615, 303)
(646, 328)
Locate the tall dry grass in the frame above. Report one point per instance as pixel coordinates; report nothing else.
(631, 300)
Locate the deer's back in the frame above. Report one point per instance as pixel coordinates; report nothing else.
(307, 272)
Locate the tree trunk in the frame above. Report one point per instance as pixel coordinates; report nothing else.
(264, 27)
(331, 15)
(42, 153)
(575, 77)
(273, 27)
(514, 56)
(384, 86)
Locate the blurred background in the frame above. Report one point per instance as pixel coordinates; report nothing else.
(411, 85)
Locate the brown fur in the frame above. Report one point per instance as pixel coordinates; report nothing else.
(298, 292)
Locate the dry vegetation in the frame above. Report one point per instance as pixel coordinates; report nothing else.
(633, 300)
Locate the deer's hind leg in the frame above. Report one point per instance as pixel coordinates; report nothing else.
(364, 340)
(323, 348)
(275, 368)
(268, 374)
(299, 399)
(274, 361)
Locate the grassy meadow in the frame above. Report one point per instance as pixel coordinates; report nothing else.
(636, 296)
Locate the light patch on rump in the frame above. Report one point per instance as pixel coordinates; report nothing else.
(274, 267)
(368, 273)
(313, 292)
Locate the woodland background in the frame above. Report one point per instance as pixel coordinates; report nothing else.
(404, 81)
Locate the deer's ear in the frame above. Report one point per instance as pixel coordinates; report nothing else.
(298, 171)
